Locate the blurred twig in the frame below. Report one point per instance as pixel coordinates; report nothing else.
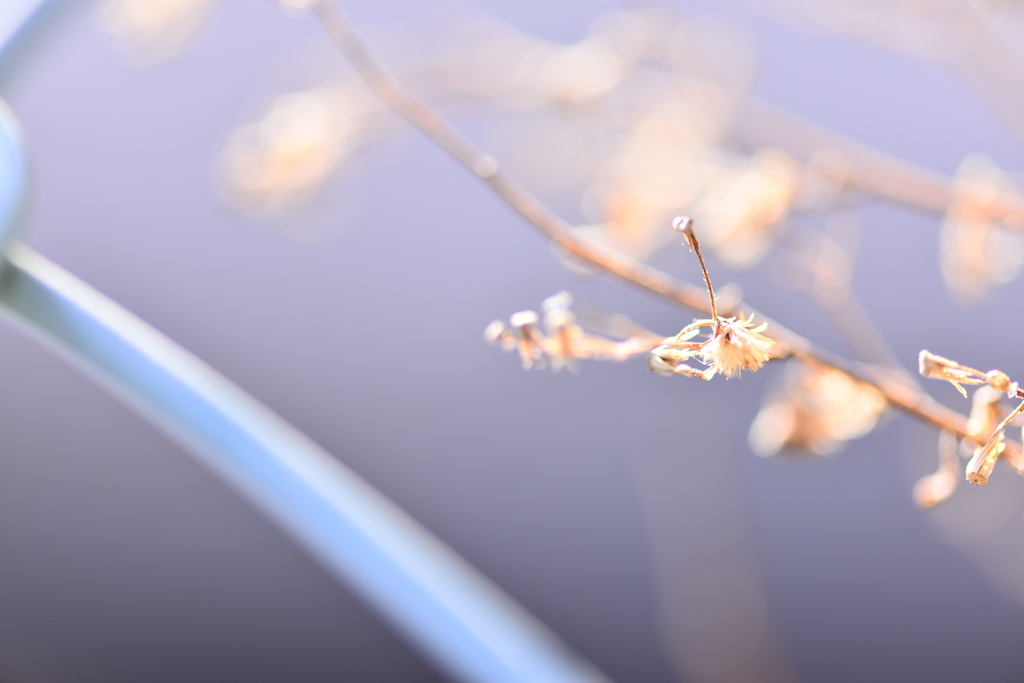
(860, 166)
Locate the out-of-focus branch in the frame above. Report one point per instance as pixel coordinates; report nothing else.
(900, 395)
(486, 167)
(860, 166)
(821, 268)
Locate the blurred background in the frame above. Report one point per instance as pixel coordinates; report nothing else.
(216, 168)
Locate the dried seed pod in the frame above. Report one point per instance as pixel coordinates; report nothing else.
(937, 367)
(980, 467)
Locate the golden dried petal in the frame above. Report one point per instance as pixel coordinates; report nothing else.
(736, 348)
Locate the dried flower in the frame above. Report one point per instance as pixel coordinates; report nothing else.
(985, 411)
(737, 346)
(670, 359)
(565, 341)
(980, 466)
(937, 367)
(979, 469)
(734, 345)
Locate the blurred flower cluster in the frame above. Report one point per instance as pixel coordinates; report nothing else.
(282, 159)
(151, 31)
(817, 409)
(976, 252)
(649, 116)
(641, 106)
(637, 122)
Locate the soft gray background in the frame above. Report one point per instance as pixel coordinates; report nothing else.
(602, 501)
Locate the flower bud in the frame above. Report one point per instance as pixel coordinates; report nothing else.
(981, 465)
(998, 380)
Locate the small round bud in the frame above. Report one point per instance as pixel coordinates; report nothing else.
(524, 319)
(559, 301)
(998, 380)
(682, 223)
(494, 331)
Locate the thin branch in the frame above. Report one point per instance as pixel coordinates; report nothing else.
(848, 161)
(900, 395)
(428, 121)
(833, 296)
(855, 164)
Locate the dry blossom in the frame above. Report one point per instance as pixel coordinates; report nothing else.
(562, 341)
(735, 344)
(937, 367)
(667, 135)
(988, 419)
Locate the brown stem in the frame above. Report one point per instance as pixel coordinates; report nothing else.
(907, 398)
(684, 224)
(1006, 420)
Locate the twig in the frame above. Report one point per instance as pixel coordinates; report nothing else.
(858, 165)
(909, 399)
(684, 224)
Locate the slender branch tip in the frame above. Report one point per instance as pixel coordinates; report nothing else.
(684, 224)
